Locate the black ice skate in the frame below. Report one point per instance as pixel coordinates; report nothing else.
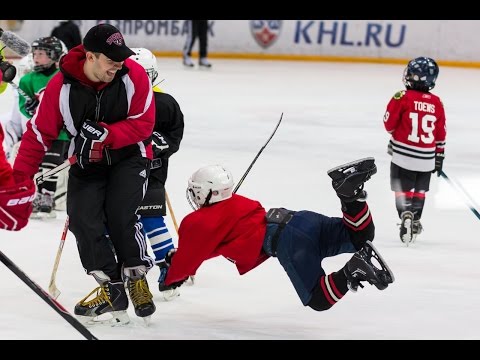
(110, 297)
(406, 228)
(348, 179)
(142, 298)
(360, 268)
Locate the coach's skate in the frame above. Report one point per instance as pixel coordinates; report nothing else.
(142, 298)
(110, 298)
(406, 228)
(360, 268)
(348, 179)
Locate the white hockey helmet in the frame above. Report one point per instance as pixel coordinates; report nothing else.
(209, 185)
(149, 62)
(25, 65)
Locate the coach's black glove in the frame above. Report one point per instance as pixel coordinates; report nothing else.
(159, 145)
(439, 157)
(31, 106)
(89, 143)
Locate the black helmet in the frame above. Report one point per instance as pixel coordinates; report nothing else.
(421, 74)
(53, 48)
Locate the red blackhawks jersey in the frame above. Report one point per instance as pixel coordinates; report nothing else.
(417, 123)
(233, 228)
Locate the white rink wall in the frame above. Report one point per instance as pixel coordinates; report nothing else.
(447, 41)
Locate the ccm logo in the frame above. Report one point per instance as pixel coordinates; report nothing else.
(23, 200)
(92, 130)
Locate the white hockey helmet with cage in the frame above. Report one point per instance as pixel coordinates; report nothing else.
(208, 185)
(149, 62)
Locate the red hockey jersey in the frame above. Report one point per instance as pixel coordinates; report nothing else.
(233, 228)
(417, 123)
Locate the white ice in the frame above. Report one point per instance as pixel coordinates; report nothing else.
(332, 114)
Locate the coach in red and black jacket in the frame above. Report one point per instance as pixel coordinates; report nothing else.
(104, 101)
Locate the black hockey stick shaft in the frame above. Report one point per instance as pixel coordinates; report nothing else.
(462, 191)
(42, 177)
(47, 298)
(256, 157)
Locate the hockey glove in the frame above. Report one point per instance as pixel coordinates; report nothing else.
(31, 106)
(389, 149)
(164, 265)
(89, 143)
(16, 205)
(159, 145)
(439, 157)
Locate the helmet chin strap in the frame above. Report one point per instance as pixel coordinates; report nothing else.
(207, 199)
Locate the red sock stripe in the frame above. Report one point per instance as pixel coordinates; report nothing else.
(362, 226)
(358, 216)
(325, 291)
(331, 292)
(407, 194)
(419, 195)
(360, 221)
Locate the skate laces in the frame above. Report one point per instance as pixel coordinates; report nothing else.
(102, 297)
(139, 292)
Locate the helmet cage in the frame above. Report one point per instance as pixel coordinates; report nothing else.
(52, 47)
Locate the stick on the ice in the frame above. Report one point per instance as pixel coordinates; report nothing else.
(256, 157)
(52, 287)
(469, 201)
(47, 298)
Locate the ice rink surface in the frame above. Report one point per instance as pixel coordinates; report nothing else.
(332, 114)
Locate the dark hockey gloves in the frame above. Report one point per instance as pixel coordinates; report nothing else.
(159, 145)
(89, 143)
(390, 148)
(31, 106)
(439, 157)
(164, 265)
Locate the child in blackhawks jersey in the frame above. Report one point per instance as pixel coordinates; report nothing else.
(416, 120)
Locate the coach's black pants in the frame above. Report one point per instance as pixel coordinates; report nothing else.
(106, 197)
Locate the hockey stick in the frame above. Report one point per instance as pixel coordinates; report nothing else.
(40, 179)
(20, 91)
(170, 209)
(470, 203)
(256, 157)
(47, 298)
(52, 286)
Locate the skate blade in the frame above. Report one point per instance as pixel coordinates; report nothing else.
(113, 318)
(169, 295)
(350, 164)
(385, 268)
(408, 237)
(44, 215)
(147, 320)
